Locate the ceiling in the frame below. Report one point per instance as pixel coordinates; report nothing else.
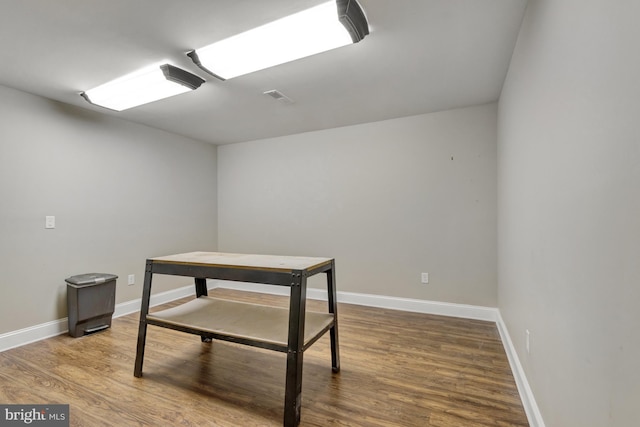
(421, 56)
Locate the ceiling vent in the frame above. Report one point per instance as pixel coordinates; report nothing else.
(279, 96)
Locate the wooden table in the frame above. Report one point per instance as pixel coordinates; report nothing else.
(290, 331)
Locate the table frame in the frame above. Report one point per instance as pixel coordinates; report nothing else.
(296, 279)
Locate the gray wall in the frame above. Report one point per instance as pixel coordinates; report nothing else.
(388, 200)
(569, 209)
(120, 193)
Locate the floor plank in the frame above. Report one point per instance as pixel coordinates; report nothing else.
(397, 369)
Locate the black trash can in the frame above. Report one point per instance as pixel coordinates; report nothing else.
(91, 301)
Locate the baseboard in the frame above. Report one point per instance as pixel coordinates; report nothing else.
(526, 394)
(381, 301)
(50, 329)
(133, 306)
(32, 334)
(35, 333)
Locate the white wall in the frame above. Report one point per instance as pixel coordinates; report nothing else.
(569, 209)
(388, 200)
(120, 192)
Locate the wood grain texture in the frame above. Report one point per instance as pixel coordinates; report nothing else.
(256, 322)
(239, 261)
(398, 369)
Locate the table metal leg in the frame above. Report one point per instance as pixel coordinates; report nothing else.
(142, 328)
(201, 290)
(333, 308)
(293, 387)
(201, 287)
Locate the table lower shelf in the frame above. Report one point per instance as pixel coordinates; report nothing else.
(251, 324)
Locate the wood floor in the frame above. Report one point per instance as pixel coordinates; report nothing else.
(397, 369)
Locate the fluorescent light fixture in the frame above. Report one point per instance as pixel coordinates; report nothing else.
(321, 28)
(149, 84)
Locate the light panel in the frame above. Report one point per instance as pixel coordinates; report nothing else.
(302, 34)
(149, 84)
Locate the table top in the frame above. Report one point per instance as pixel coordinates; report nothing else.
(245, 261)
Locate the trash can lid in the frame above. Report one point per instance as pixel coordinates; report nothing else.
(90, 279)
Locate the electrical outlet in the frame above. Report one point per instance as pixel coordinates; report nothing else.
(49, 222)
(132, 279)
(528, 341)
(424, 277)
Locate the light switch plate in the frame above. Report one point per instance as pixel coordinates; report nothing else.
(49, 222)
